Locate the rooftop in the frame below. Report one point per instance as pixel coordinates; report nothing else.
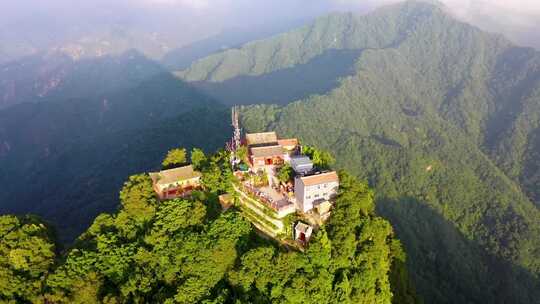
(301, 160)
(261, 138)
(174, 175)
(301, 164)
(288, 142)
(226, 201)
(268, 151)
(322, 178)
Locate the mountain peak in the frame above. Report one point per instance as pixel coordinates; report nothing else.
(383, 28)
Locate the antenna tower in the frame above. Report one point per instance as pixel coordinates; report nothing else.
(235, 143)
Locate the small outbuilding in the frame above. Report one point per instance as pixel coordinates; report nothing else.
(226, 201)
(302, 233)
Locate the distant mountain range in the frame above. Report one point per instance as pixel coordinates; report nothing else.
(441, 118)
(52, 77)
(100, 62)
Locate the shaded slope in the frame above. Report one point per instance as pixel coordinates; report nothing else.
(318, 76)
(66, 159)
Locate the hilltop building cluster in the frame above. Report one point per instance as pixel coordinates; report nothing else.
(311, 187)
(308, 191)
(273, 179)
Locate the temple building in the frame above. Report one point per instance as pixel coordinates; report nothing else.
(175, 183)
(265, 149)
(289, 145)
(266, 156)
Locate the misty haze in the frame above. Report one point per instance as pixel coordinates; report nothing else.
(322, 151)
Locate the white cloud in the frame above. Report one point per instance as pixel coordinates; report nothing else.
(518, 19)
(190, 4)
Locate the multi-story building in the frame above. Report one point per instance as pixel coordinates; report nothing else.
(312, 190)
(266, 151)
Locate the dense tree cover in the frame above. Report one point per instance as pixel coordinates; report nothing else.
(186, 251)
(27, 254)
(317, 76)
(321, 159)
(175, 157)
(441, 118)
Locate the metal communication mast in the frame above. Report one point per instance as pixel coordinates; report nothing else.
(235, 143)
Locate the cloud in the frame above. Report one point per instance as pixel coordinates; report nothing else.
(518, 19)
(188, 4)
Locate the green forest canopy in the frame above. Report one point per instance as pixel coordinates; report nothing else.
(188, 251)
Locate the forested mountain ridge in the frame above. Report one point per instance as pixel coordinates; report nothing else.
(383, 28)
(442, 119)
(189, 250)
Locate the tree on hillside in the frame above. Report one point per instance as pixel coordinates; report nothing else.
(242, 153)
(198, 159)
(139, 202)
(285, 173)
(321, 159)
(175, 157)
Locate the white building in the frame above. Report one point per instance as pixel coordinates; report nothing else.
(314, 189)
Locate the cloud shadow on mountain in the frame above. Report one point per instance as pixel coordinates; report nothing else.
(318, 76)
